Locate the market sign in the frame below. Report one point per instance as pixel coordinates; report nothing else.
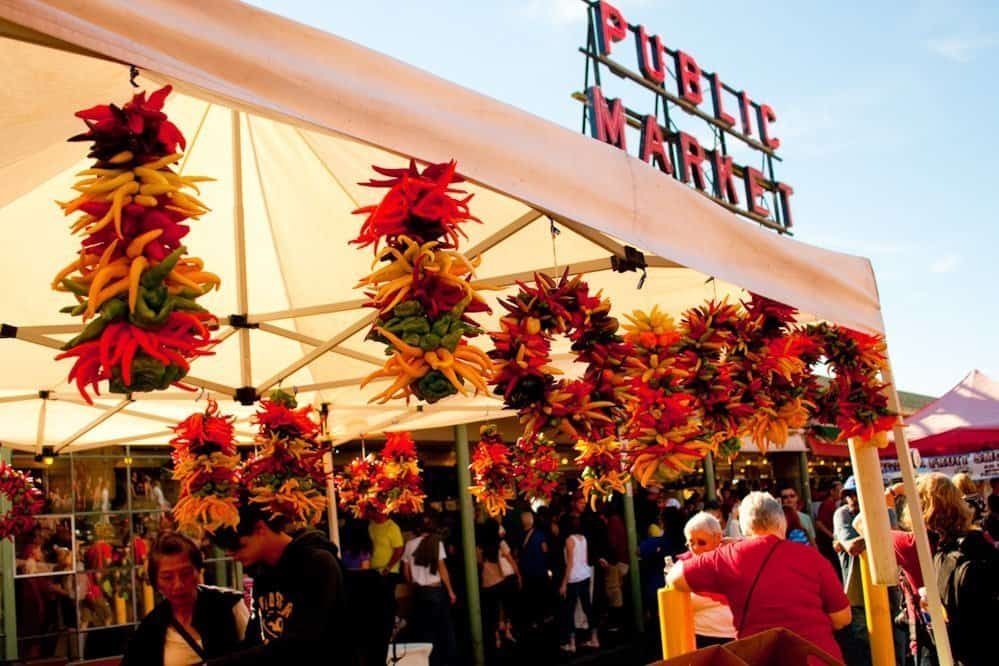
(979, 465)
(677, 81)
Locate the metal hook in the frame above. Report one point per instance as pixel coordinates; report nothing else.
(133, 73)
(201, 394)
(641, 280)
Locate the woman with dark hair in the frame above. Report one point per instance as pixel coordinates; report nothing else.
(576, 585)
(490, 553)
(194, 622)
(795, 530)
(424, 567)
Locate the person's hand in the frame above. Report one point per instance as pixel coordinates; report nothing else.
(384, 571)
(451, 595)
(856, 547)
(562, 590)
(603, 563)
(838, 547)
(520, 582)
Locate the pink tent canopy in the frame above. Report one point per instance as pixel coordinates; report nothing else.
(963, 420)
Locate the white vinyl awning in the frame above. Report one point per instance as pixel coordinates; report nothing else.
(313, 112)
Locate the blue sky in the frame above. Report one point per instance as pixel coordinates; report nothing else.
(885, 112)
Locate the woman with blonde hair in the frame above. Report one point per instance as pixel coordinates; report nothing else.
(972, 496)
(967, 568)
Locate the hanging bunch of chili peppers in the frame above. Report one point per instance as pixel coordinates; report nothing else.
(587, 410)
(26, 501)
(131, 279)
(386, 483)
(287, 476)
(493, 472)
(728, 372)
(424, 292)
(206, 463)
(536, 467)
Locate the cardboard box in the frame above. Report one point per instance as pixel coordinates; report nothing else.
(774, 647)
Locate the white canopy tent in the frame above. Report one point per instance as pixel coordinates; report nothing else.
(289, 119)
(313, 112)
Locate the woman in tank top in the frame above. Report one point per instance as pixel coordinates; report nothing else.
(576, 586)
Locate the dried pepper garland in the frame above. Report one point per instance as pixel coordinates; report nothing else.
(385, 484)
(493, 474)
(536, 467)
(587, 410)
(424, 294)
(26, 501)
(206, 462)
(287, 476)
(131, 280)
(727, 372)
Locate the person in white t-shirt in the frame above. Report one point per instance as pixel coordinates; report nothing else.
(713, 622)
(424, 567)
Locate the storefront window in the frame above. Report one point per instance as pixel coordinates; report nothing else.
(79, 577)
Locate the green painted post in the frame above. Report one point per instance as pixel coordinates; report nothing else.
(7, 574)
(806, 489)
(636, 584)
(468, 544)
(710, 492)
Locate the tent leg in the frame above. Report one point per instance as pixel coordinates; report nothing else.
(806, 486)
(710, 489)
(331, 508)
(879, 624)
(636, 584)
(7, 577)
(926, 565)
(879, 552)
(468, 545)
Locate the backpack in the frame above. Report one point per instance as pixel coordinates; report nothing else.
(968, 582)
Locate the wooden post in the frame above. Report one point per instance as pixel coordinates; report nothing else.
(879, 551)
(710, 489)
(806, 488)
(468, 544)
(944, 656)
(879, 624)
(676, 622)
(7, 595)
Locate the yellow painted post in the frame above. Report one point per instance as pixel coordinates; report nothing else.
(879, 624)
(676, 622)
(880, 553)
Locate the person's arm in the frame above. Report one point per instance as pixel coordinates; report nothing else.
(676, 579)
(841, 618)
(407, 570)
(446, 577)
(822, 526)
(853, 543)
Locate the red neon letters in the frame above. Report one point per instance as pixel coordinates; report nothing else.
(607, 121)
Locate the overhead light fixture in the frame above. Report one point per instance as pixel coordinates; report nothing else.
(47, 456)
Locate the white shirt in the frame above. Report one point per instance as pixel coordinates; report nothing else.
(422, 576)
(504, 563)
(177, 652)
(712, 618)
(579, 570)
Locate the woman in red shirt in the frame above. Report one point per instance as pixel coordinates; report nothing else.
(769, 582)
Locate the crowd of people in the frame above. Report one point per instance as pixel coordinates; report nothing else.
(753, 559)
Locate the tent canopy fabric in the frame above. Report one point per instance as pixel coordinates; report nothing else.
(963, 420)
(307, 113)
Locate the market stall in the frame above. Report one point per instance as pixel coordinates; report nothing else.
(289, 120)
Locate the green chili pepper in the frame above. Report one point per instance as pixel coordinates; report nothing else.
(433, 386)
(441, 326)
(408, 309)
(186, 305)
(154, 276)
(451, 340)
(75, 287)
(89, 332)
(416, 325)
(430, 342)
(411, 339)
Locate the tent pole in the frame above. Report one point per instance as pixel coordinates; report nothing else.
(19, 398)
(245, 374)
(636, 584)
(879, 552)
(7, 589)
(468, 544)
(923, 551)
(806, 488)
(40, 438)
(111, 411)
(710, 489)
(315, 342)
